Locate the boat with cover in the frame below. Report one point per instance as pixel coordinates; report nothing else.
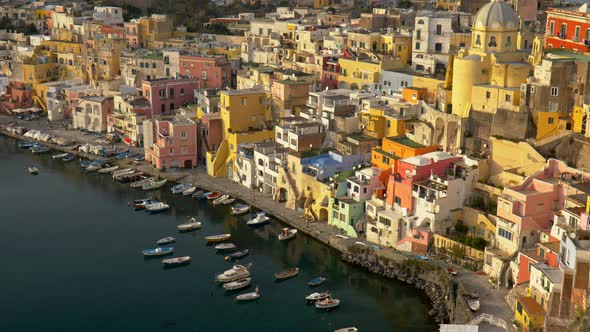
(327, 303)
(157, 207)
(177, 189)
(190, 224)
(108, 169)
(69, 157)
(93, 167)
(189, 191)
(40, 149)
(286, 274)
(154, 184)
(217, 238)
(237, 255)
(240, 209)
(287, 234)
(316, 282)
(119, 176)
(213, 196)
(258, 220)
(175, 261)
(220, 199)
(26, 144)
(33, 170)
(226, 247)
(235, 273)
(85, 163)
(166, 240)
(160, 251)
(317, 296)
(347, 329)
(58, 156)
(197, 193)
(139, 183)
(204, 195)
(228, 201)
(141, 204)
(121, 171)
(249, 296)
(238, 284)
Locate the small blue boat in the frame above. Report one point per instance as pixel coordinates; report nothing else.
(40, 149)
(204, 195)
(85, 163)
(180, 188)
(68, 157)
(316, 282)
(123, 155)
(161, 251)
(26, 145)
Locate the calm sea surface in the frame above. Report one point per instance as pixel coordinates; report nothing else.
(71, 261)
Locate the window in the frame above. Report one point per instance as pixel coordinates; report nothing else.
(417, 46)
(243, 101)
(587, 39)
(438, 29)
(183, 149)
(507, 98)
(203, 74)
(163, 108)
(577, 34)
(418, 34)
(388, 123)
(563, 31)
(554, 92)
(509, 41)
(550, 120)
(154, 65)
(397, 200)
(477, 40)
(505, 234)
(171, 92)
(488, 94)
(182, 92)
(551, 28)
(438, 47)
(492, 42)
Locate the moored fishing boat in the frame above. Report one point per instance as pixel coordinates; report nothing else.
(33, 170)
(93, 167)
(189, 191)
(26, 144)
(219, 200)
(287, 234)
(58, 156)
(154, 184)
(123, 155)
(197, 193)
(473, 304)
(160, 251)
(311, 298)
(316, 282)
(85, 163)
(213, 196)
(259, 219)
(108, 169)
(190, 224)
(237, 255)
(347, 329)
(177, 189)
(130, 177)
(224, 247)
(39, 149)
(68, 157)
(237, 284)
(121, 171)
(141, 204)
(286, 274)
(228, 201)
(240, 209)
(249, 296)
(204, 195)
(166, 240)
(217, 238)
(235, 273)
(157, 207)
(176, 261)
(328, 303)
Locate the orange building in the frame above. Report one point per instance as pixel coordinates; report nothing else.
(413, 95)
(394, 148)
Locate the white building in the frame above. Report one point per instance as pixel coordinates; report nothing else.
(432, 40)
(268, 157)
(245, 169)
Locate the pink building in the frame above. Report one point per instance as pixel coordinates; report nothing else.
(167, 94)
(210, 71)
(173, 145)
(131, 29)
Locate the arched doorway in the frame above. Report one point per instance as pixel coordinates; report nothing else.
(323, 214)
(283, 195)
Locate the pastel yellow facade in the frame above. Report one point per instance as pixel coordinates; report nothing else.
(450, 245)
(396, 45)
(361, 74)
(380, 121)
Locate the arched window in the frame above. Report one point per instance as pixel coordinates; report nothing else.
(509, 41)
(477, 40)
(420, 21)
(492, 42)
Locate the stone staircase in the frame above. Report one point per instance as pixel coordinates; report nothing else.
(490, 320)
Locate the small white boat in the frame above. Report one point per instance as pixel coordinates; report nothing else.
(238, 284)
(33, 170)
(190, 224)
(93, 168)
(287, 234)
(473, 304)
(176, 261)
(157, 207)
(140, 183)
(228, 201)
(317, 296)
(327, 303)
(108, 169)
(123, 174)
(189, 191)
(59, 156)
(217, 238)
(240, 209)
(179, 188)
(166, 240)
(226, 247)
(220, 200)
(347, 329)
(235, 273)
(121, 171)
(249, 296)
(154, 184)
(259, 219)
(160, 251)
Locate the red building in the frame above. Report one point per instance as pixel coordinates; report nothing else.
(210, 71)
(547, 253)
(330, 71)
(568, 29)
(168, 94)
(18, 95)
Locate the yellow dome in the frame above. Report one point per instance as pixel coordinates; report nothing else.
(496, 16)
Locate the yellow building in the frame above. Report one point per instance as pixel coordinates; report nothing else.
(393, 44)
(529, 314)
(69, 57)
(361, 72)
(383, 121)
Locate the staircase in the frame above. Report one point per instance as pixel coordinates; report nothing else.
(294, 193)
(40, 102)
(216, 161)
(490, 320)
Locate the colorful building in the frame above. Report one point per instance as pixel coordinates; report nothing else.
(210, 71)
(569, 29)
(170, 143)
(529, 314)
(168, 94)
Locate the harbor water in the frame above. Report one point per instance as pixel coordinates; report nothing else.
(71, 261)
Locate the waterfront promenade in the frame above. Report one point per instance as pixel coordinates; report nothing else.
(492, 301)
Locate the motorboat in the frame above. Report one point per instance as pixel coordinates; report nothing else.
(189, 191)
(218, 238)
(40, 149)
(58, 156)
(237, 255)
(68, 157)
(26, 144)
(109, 169)
(123, 155)
(85, 163)
(154, 185)
(286, 274)
(93, 168)
(347, 329)
(249, 296)
(473, 304)
(120, 171)
(141, 204)
(157, 207)
(240, 209)
(238, 284)
(177, 189)
(316, 282)
(219, 200)
(228, 201)
(317, 296)
(166, 240)
(130, 177)
(204, 195)
(213, 196)
(33, 170)
(190, 224)
(235, 273)
(139, 183)
(258, 220)
(328, 303)
(160, 251)
(117, 175)
(197, 193)
(287, 234)
(175, 261)
(223, 247)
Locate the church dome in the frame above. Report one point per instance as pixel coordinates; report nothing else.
(496, 16)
